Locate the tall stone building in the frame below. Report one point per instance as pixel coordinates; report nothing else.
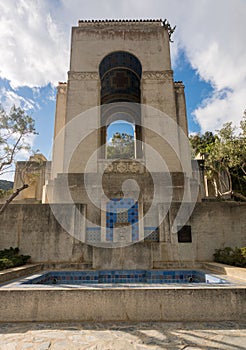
(113, 62)
(144, 201)
(121, 71)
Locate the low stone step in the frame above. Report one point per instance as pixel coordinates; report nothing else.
(176, 265)
(16, 272)
(68, 266)
(232, 271)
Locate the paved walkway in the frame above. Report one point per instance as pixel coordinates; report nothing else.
(123, 336)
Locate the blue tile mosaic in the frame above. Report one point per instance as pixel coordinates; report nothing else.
(93, 235)
(125, 276)
(122, 210)
(151, 234)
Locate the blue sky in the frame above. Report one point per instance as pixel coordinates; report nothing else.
(196, 89)
(208, 54)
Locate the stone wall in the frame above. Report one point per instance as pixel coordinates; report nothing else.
(135, 305)
(34, 229)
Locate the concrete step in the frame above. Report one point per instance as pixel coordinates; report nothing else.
(176, 265)
(232, 271)
(16, 272)
(68, 266)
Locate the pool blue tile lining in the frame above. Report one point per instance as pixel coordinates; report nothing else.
(125, 276)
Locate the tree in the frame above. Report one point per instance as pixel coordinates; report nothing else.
(225, 158)
(121, 146)
(201, 144)
(15, 128)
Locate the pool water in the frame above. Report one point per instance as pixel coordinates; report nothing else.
(124, 276)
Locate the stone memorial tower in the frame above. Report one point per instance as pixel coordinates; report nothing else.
(120, 71)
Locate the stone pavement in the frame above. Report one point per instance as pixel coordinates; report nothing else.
(123, 336)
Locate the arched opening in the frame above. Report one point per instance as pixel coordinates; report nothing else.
(120, 74)
(121, 140)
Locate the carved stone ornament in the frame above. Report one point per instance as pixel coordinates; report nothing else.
(179, 87)
(62, 89)
(166, 75)
(83, 76)
(179, 90)
(123, 167)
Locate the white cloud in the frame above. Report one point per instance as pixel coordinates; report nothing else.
(212, 34)
(213, 40)
(216, 111)
(8, 175)
(35, 35)
(34, 48)
(23, 154)
(10, 98)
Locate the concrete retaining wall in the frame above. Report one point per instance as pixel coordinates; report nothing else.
(34, 229)
(211, 304)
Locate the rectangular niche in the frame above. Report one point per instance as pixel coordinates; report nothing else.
(184, 234)
(122, 214)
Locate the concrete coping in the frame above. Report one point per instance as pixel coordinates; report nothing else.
(16, 272)
(221, 269)
(229, 270)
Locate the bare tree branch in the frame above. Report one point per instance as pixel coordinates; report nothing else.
(10, 199)
(12, 154)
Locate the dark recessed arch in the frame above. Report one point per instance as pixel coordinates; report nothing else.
(120, 59)
(120, 74)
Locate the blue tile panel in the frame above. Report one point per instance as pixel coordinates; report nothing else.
(120, 210)
(124, 276)
(93, 234)
(151, 234)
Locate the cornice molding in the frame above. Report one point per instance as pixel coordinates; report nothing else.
(166, 75)
(83, 76)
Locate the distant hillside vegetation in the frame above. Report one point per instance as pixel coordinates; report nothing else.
(6, 185)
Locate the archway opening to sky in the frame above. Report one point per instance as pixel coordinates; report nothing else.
(121, 140)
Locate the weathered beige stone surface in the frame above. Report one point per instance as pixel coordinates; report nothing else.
(34, 173)
(90, 43)
(123, 336)
(17, 272)
(126, 304)
(237, 272)
(34, 229)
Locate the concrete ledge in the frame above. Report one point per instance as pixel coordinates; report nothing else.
(232, 271)
(16, 272)
(67, 266)
(170, 304)
(177, 265)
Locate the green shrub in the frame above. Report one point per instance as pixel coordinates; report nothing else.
(5, 263)
(6, 253)
(231, 256)
(243, 250)
(4, 194)
(11, 258)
